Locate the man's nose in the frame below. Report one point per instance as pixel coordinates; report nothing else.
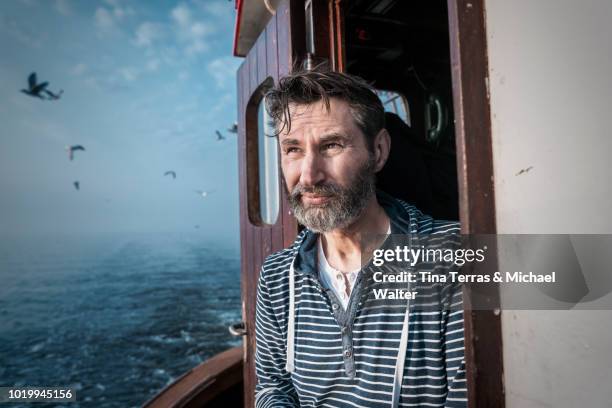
(312, 170)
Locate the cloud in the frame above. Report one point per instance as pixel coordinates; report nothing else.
(107, 18)
(129, 73)
(146, 33)
(198, 30)
(118, 10)
(63, 7)
(196, 47)
(221, 9)
(181, 15)
(153, 65)
(191, 33)
(223, 70)
(123, 12)
(79, 69)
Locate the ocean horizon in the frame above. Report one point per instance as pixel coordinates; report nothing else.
(116, 316)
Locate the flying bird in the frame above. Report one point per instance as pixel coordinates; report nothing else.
(36, 90)
(72, 149)
(204, 194)
(219, 136)
(171, 173)
(77, 185)
(234, 128)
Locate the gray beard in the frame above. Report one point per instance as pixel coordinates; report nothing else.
(344, 206)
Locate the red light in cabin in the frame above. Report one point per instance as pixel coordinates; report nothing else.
(362, 34)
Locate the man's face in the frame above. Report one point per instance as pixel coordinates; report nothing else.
(327, 166)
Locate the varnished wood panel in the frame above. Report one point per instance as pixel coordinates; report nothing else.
(205, 385)
(273, 49)
(336, 28)
(276, 237)
(246, 233)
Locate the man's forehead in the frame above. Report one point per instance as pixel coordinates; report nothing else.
(316, 117)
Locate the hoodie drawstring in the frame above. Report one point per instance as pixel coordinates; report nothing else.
(399, 364)
(401, 352)
(290, 364)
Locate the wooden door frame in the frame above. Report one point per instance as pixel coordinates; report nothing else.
(469, 66)
(470, 76)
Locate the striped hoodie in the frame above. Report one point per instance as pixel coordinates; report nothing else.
(376, 353)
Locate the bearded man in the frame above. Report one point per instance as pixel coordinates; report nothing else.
(323, 339)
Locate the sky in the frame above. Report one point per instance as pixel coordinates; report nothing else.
(146, 84)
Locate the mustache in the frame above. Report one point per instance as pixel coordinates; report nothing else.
(326, 189)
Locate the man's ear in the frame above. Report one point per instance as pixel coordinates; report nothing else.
(382, 147)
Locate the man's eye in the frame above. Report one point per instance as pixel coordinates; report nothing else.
(330, 146)
(290, 150)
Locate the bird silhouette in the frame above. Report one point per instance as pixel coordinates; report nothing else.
(35, 89)
(77, 185)
(72, 149)
(219, 136)
(234, 128)
(171, 173)
(203, 193)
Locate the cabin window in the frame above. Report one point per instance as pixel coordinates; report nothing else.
(269, 194)
(395, 103)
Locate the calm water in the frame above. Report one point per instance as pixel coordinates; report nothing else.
(117, 317)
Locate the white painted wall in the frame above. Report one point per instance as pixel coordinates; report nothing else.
(550, 85)
(551, 96)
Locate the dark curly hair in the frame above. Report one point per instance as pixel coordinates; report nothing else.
(309, 86)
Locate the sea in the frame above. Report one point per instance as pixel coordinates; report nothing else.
(117, 317)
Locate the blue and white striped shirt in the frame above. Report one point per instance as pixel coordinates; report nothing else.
(348, 358)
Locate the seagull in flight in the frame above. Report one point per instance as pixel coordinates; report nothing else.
(72, 149)
(77, 185)
(234, 128)
(171, 173)
(219, 136)
(36, 89)
(204, 194)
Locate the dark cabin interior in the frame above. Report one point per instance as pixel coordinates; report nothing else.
(403, 47)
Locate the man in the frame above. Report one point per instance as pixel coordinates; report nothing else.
(323, 339)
